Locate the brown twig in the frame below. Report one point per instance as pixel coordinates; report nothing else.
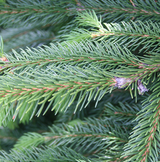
(132, 3)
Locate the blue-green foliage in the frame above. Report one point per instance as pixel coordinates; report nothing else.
(80, 80)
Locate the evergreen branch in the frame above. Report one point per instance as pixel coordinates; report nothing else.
(121, 10)
(103, 108)
(49, 12)
(62, 88)
(131, 34)
(33, 140)
(95, 135)
(145, 72)
(143, 140)
(68, 116)
(110, 125)
(41, 13)
(122, 113)
(44, 154)
(81, 54)
(120, 49)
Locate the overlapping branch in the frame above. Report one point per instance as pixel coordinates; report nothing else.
(56, 77)
(130, 34)
(144, 141)
(60, 83)
(92, 131)
(59, 11)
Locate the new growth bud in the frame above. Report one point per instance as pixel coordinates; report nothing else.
(123, 82)
(141, 87)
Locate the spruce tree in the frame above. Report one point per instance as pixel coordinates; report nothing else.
(80, 80)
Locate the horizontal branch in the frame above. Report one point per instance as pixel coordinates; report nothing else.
(23, 10)
(84, 135)
(133, 10)
(81, 8)
(117, 82)
(94, 35)
(55, 87)
(74, 60)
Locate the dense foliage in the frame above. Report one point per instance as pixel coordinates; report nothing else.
(80, 80)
